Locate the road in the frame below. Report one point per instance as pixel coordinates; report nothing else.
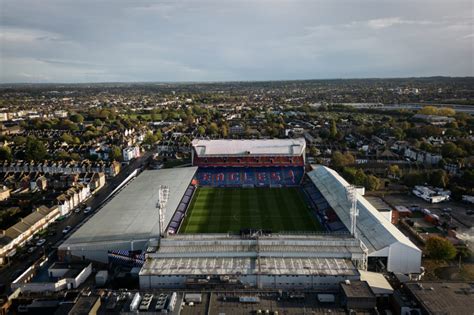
(23, 260)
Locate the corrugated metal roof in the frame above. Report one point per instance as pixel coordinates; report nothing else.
(373, 230)
(291, 147)
(132, 214)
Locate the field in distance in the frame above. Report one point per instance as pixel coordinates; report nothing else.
(222, 210)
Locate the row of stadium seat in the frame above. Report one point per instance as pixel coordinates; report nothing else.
(250, 176)
(181, 210)
(249, 161)
(325, 213)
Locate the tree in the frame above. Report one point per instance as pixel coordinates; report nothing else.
(439, 248)
(333, 130)
(115, 153)
(339, 160)
(395, 171)
(201, 130)
(213, 129)
(35, 149)
(67, 138)
(428, 110)
(372, 182)
(151, 138)
(77, 118)
(439, 178)
(451, 150)
(5, 153)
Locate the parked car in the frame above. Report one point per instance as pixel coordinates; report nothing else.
(87, 210)
(67, 229)
(41, 242)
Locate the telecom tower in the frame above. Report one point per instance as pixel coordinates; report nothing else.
(163, 194)
(351, 192)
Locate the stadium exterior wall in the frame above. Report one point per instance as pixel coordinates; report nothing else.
(308, 282)
(99, 251)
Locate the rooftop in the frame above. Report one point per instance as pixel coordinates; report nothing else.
(373, 229)
(248, 265)
(444, 297)
(132, 214)
(357, 289)
(292, 147)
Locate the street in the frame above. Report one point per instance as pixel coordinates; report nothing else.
(53, 235)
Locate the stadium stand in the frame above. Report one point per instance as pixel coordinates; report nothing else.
(180, 212)
(250, 176)
(326, 216)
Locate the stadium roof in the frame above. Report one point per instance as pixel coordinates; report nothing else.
(377, 233)
(215, 265)
(132, 214)
(291, 147)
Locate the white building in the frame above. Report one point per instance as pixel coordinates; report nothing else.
(382, 239)
(130, 153)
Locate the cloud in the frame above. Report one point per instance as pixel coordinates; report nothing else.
(144, 40)
(393, 21)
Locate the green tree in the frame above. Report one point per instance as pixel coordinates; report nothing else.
(201, 130)
(439, 178)
(115, 153)
(213, 129)
(66, 137)
(35, 149)
(339, 160)
(333, 130)
(372, 182)
(439, 248)
(5, 153)
(451, 150)
(395, 171)
(77, 118)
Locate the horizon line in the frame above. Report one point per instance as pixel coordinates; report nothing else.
(235, 81)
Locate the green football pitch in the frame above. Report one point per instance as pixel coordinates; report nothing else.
(222, 210)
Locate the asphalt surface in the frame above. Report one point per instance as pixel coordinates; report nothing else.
(460, 218)
(54, 236)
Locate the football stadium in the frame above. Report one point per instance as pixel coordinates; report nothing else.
(247, 213)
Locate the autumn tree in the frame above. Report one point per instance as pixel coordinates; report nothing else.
(437, 247)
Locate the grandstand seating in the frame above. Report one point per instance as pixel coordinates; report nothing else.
(326, 215)
(249, 161)
(181, 210)
(250, 176)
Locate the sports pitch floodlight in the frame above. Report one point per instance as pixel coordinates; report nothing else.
(351, 193)
(163, 195)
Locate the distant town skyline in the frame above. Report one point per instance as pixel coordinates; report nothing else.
(175, 41)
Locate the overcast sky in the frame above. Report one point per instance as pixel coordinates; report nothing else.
(118, 40)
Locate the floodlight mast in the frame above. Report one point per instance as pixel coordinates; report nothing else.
(352, 193)
(163, 195)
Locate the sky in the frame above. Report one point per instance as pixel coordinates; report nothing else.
(75, 41)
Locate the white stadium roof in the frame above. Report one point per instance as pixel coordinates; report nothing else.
(378, 234)
(131, 216)
(289, 147)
